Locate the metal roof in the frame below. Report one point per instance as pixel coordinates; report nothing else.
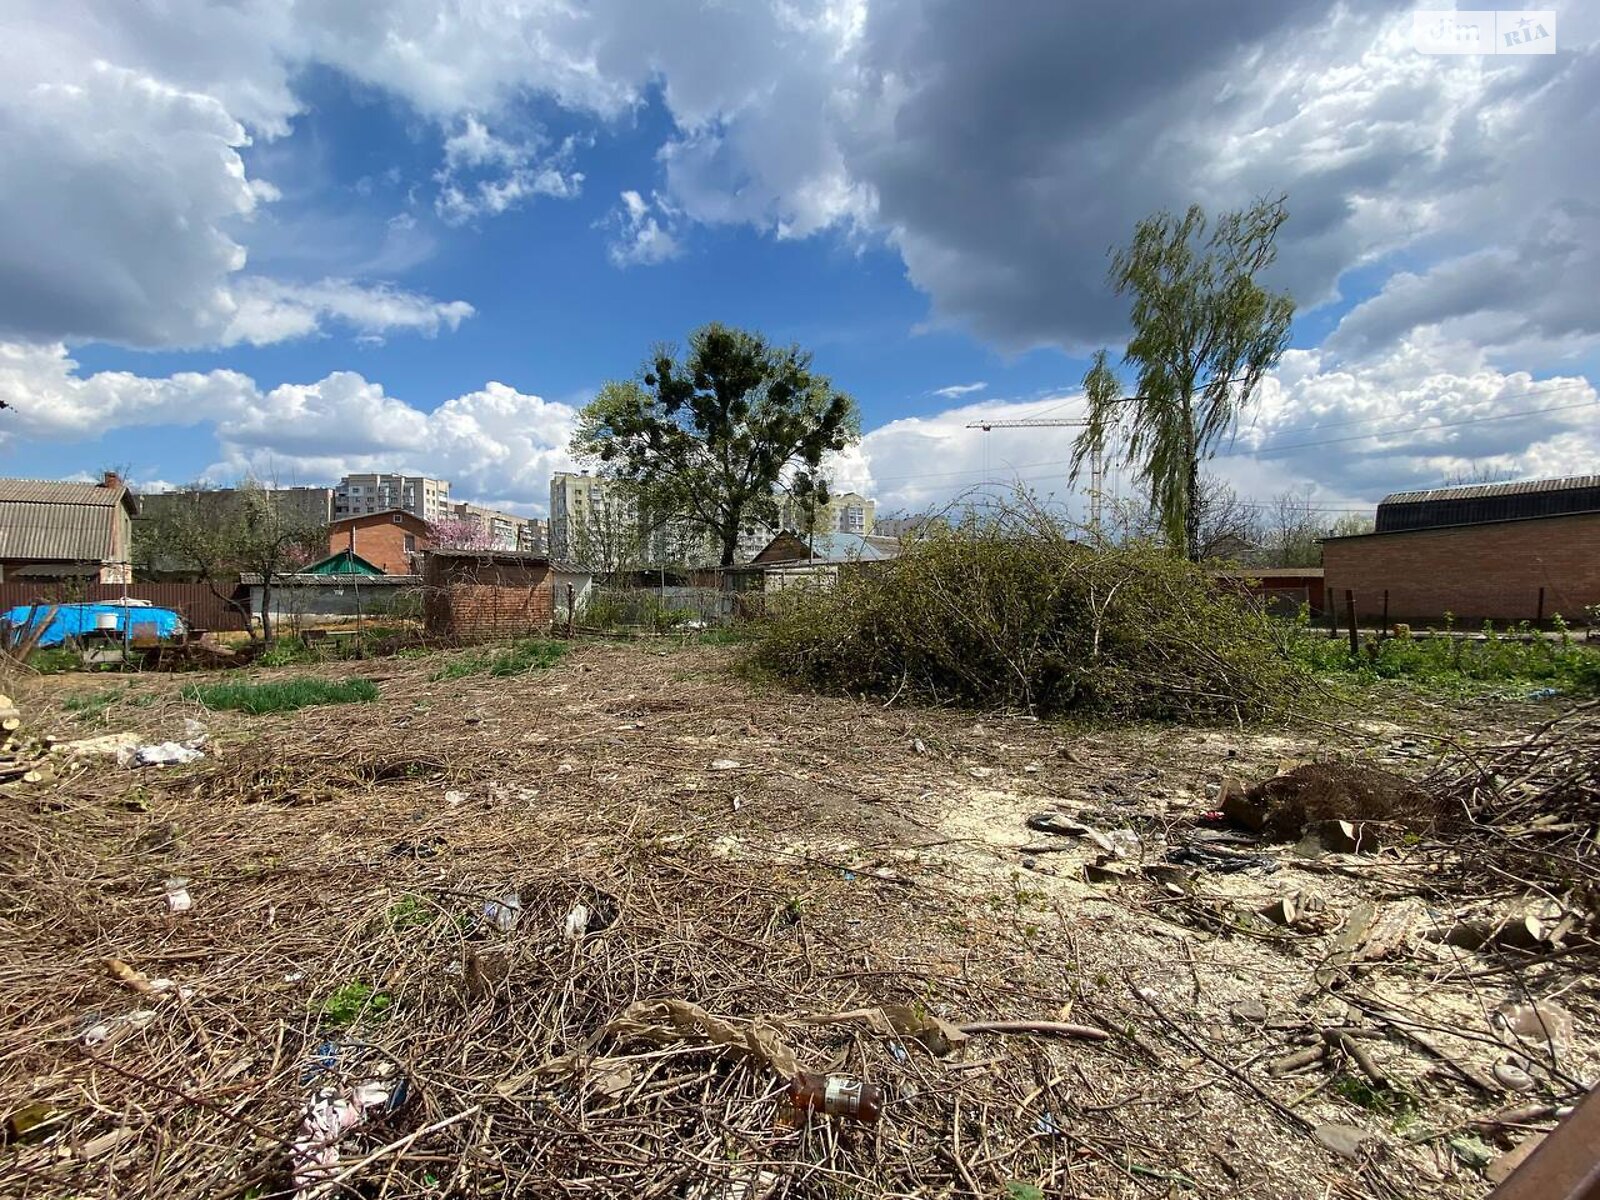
(253, 579)
(839, 547)
(514, 556)
(1481, 503)
(56, 531)
(1473, 491)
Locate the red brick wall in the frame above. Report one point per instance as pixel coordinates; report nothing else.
(1473, 571)
(471, 599)
(380, 540)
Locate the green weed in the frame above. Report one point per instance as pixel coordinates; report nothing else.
(529, 655)
(282, 695)
(410, 912)
(349, 1003)
(57, 660)
(1399, 1105)
(90, 707)
(1519, 656)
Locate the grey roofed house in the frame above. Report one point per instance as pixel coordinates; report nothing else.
(790, 547)
(55, 530)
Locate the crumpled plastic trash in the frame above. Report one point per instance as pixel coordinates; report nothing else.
(101, 1030)
(165, 754)
(1221, 860)
(504, 913)
(577, 923)
(358, 1086)
(178, 898)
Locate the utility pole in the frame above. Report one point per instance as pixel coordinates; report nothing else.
(1096, 463)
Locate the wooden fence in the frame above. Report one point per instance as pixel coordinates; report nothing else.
(200, 607)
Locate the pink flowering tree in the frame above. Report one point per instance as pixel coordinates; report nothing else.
(458, 533)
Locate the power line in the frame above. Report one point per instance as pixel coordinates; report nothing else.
(1271, 448)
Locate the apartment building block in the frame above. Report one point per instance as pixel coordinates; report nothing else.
(358, 495)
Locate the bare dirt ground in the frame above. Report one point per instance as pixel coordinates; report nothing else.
(770, 858)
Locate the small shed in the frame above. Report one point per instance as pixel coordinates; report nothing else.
(481, 595)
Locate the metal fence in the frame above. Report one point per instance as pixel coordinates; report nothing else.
(200, 607)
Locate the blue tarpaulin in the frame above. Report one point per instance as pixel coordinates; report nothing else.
(75, 620)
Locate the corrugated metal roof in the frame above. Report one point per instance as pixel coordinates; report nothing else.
(55, 531)
(45, 491)
(1482, 503)
(1475, 491)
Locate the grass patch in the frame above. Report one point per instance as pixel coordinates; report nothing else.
(283, 695)
(1395, 1103)
(1518, 656)
(410, 912)
(532, 654)
(349, 1003)
(90, 707)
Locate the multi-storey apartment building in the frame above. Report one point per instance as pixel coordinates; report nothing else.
(418, 495)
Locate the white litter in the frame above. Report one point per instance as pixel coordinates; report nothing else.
(505, 912)
(178, 898)
(455, 797)
(577, 923)
(159, 754)
(724, 764)
(102, 1031)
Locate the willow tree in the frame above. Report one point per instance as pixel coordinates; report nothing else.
(1204, 333)
(707, 440)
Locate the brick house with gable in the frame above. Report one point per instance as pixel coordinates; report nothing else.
(392, 539)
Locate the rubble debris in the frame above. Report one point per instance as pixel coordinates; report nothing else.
(1250, 1012)
(1347, 1141)
(1219, 859)
(1316, 795)
(1346, 943)
(1238, 807)
(1498, 1171)
(1513, 1078)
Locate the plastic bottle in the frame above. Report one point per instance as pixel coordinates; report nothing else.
(837, 1096)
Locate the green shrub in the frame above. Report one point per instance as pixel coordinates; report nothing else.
(282, 695)
(528, 655)
(1013, 613)
(56, 660)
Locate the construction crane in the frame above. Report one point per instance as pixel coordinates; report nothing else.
(1096, 463)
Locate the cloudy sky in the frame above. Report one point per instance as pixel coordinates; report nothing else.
(303, 238)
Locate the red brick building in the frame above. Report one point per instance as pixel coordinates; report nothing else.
(480, 595)
(389, 539)
(1500, 551)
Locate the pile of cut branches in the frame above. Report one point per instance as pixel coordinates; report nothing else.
(1013, 611)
